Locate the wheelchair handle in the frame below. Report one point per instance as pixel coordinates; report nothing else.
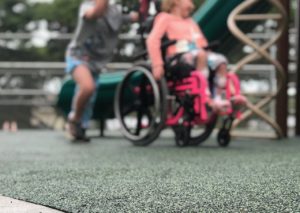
(212, 45)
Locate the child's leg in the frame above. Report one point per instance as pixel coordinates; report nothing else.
(218, 65)
(201, 62)
(222, 70)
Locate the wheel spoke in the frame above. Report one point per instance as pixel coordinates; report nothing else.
(138, 102)
(139, 122)
(133, 107)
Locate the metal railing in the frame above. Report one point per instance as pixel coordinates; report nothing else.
(47, 70)
(55, 36)
(33, 77)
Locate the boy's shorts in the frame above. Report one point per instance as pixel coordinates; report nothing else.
(72, 62)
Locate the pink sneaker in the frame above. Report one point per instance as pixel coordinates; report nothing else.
(239, 99)
(222, 105)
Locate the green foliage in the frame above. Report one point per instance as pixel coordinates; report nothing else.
(61, 15)
(14, 14)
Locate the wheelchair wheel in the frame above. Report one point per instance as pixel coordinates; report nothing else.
(182, 135)
(224, 137)
(140, 106)
(200, 133)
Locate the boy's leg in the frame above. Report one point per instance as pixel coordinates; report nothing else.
(86, 88)
(88, 110)
(84, 92)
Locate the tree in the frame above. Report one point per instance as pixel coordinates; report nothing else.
(20, 16)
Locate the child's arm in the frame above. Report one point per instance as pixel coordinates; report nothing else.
(97, 10)
(154, 44)
(201, 40)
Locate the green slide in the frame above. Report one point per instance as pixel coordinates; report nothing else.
(212, 17)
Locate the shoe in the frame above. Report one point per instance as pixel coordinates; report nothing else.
(239, 99)
(5, 126)
(14, 126)
(84, 137)
(76, 132)
(221, 105)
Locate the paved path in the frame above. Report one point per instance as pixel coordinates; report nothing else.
(111, 175)
(9, 205)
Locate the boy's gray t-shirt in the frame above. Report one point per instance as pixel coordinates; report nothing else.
(95, 40)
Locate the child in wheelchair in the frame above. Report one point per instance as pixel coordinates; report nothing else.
(181, 97)
(189, 53)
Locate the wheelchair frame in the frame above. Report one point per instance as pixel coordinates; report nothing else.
(187, 94)
(179, 104)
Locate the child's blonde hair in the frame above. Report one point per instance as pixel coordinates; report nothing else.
(167, 5)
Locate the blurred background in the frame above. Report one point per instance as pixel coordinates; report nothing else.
(33, 38)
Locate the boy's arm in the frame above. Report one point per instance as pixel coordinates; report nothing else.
(97, 10)
(134, 16)
(131, 17)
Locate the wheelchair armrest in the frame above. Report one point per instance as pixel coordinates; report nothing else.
(212, 45)
(168, 43)
(144, 53)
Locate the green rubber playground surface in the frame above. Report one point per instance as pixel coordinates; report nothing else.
(110, 175)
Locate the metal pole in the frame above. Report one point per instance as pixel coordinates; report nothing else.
(283, 58)
(298, 71)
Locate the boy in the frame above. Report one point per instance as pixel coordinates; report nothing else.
(91, 48)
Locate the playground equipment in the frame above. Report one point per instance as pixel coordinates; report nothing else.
(298, 76)
(261, 51)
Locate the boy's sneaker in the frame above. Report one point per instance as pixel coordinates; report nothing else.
(76, 132)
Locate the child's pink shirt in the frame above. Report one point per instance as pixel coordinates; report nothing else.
(175, 28)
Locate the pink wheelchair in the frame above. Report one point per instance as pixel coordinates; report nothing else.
(145, 107)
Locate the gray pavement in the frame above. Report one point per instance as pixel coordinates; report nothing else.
(111, 175)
